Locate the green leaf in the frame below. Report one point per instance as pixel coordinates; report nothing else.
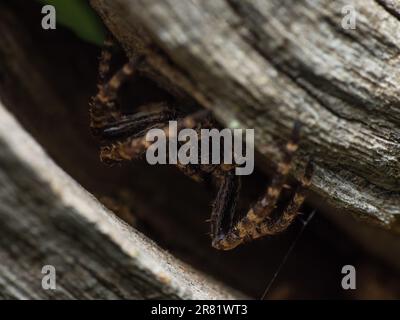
(78, 16)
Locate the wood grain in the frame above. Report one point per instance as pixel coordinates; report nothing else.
(265, 64)
(48, 219)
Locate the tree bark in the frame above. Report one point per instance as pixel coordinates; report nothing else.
(46, 79)
(48, 219)
(266, 64)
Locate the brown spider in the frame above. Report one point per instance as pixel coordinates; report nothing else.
(127, 136)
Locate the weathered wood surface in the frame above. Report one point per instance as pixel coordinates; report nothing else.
(265, 64)
(46, 218)
(49, 98)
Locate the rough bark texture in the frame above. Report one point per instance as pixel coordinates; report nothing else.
(265, 64)
(48, 219)
(46, 80)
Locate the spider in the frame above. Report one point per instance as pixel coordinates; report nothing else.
(124, 135)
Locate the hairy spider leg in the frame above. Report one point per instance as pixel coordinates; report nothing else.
(203, 172)
(225, 202)
(248, 227)
(103, 108)
(108, 122)
(194, 171)
(137, 124)
(132, 148)
(105, 60)
(269, 227)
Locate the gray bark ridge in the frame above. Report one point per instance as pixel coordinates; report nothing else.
(46, 218)
(265, 64)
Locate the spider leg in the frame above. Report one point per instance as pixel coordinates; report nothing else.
(267, 203)
(132, 148)
(192, 171)
(202, 172)
(97, 110)
(137, 124)
(269, 226)
(225, 204)
(109, 123)
(246, 228)
(103, 108)
(105, 59)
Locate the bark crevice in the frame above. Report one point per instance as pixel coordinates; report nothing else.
(390, 7)
(264, 65)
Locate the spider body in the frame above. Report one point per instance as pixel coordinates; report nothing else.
(124, 136)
